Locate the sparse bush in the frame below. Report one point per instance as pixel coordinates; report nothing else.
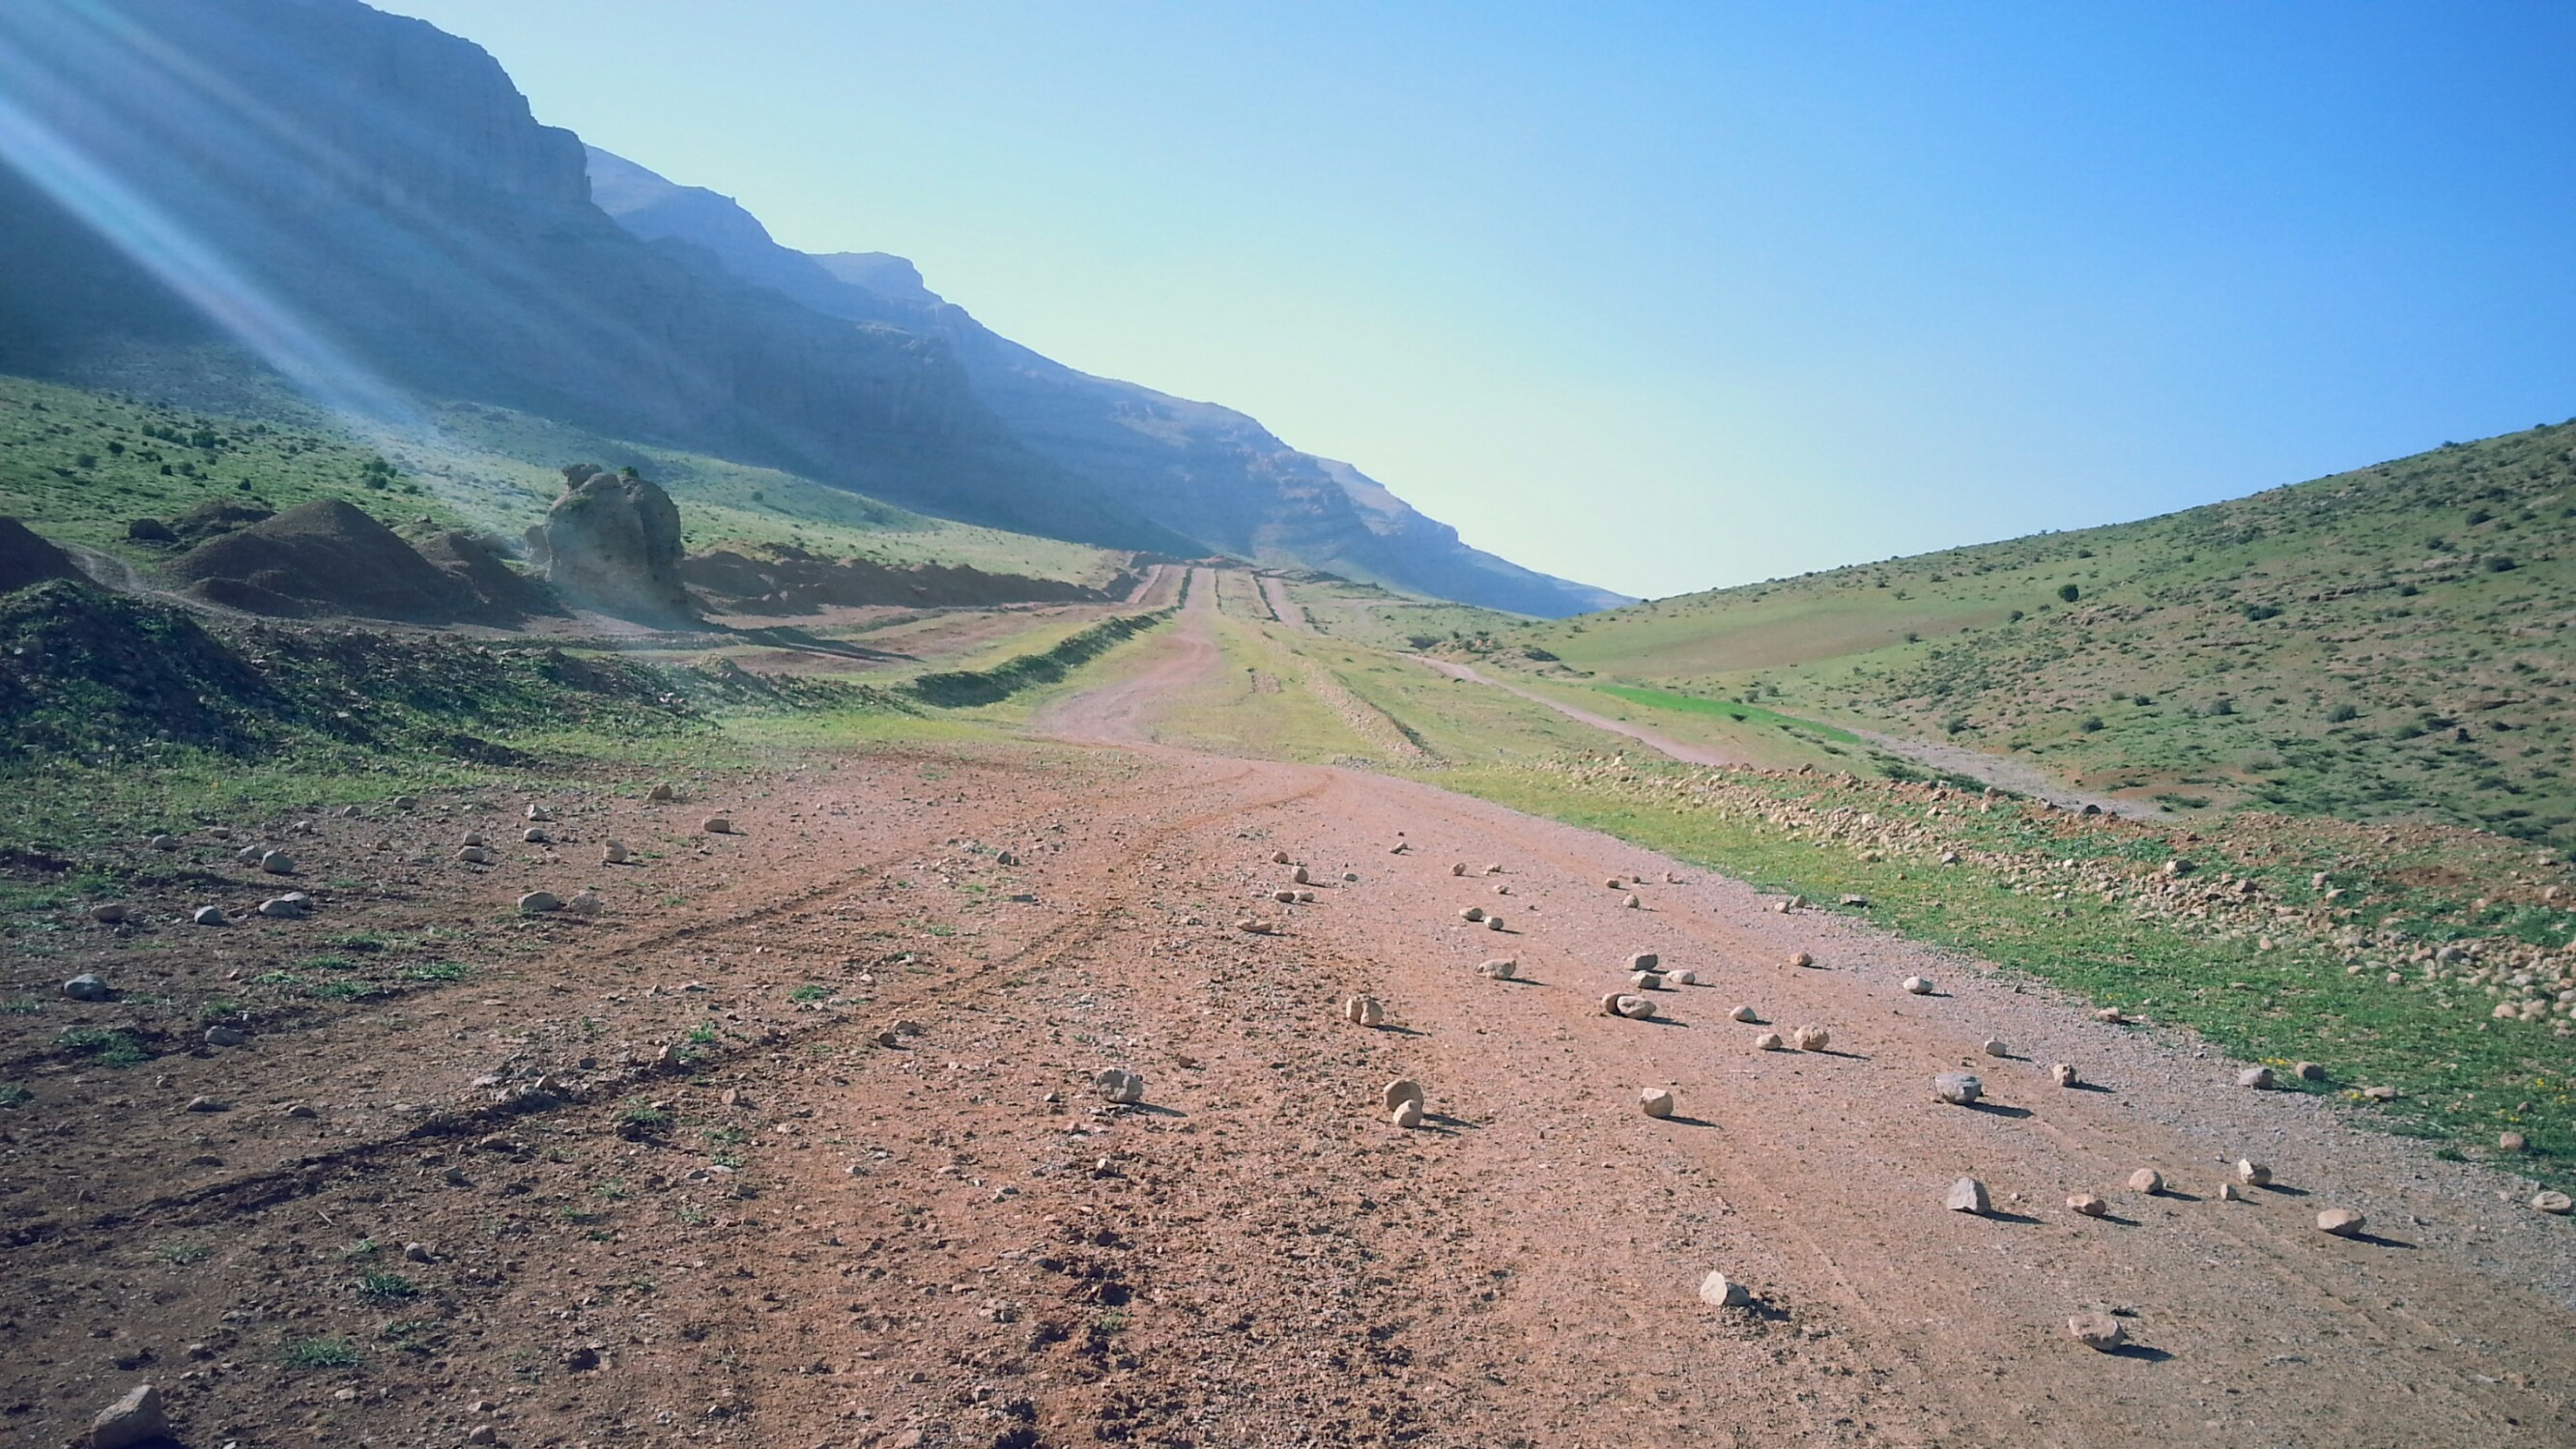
(2091, 725)
(2069, 592)
(2342, 713)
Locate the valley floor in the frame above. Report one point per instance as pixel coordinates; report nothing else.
(796, 1143)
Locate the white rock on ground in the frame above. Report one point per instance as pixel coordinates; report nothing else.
(1768, 1041)
(135, 1419)
(1813, 1038)
(292, 906)
(612, 852)
(533, 836)
(1407, 1115)
(207, 915)
(1634, 904)
(2064, 1074)
(1501, 968)
(1645, 961)
(1968, 1195)
(2255, 1077)
(1493, 923)
(277, 862)
(2309, 1072)
(1403, 1090)
(2147, 1180)
(1916, 986)
(1685, 978)
(1718, 1291)
(1116, 1084)
(1802, 959)
(2252, 1173)
(2097, 1331)
(2342, 1222)
(1363, 1011)
(537, 903)
(1959, 1089)
(1994, 1048)
(1744, 1014)
(1278, 857)
(85, 987)
(1644, 981)
(1472, 914)
(1655, 1101)
(2553, 1201)
(2230, 1192)
(1636, 1008)
(2087, 1204)
(473, 854)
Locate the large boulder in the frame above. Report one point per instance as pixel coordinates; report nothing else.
(613, 544)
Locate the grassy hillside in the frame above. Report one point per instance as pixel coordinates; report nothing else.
(2388, 642)
(77, 466)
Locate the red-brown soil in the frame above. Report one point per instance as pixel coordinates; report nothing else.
(802, 1237)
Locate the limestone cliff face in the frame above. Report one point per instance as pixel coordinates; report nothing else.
(369, 199)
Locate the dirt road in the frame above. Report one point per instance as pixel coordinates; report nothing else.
(1660, 743)
(796, 1143)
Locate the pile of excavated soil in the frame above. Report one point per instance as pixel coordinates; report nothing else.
(26, 559)
(478, 563)
(783, 579)
(327, 557)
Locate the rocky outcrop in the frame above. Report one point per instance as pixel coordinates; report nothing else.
(613, 544)
(781, 579)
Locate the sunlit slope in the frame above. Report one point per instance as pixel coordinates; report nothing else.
(2390, 641)
(79, 466)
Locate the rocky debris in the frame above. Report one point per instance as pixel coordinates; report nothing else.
(223, 1036)
(1645, 961)
(2380, 1094)
(539, 813)
(2147, 1180)
(2252, 1173)
(585, 902)
(2230, 1192)
(2112, 1015)
(2553, 1201)
(2309, 1072)
(292, 906)
(1916, 986)
(2088, 1205)
(2258, 1078)
(1254, 925)
(1364, 1011)
(1634, 904)
(276, 862)
(330, 557)
(2063, 1074)
(86, 987)
(2342, 1222)
(1493, 923)
(138, 1418)
(473, 855)
(1298, 875)
(1501, 889)
(248, 855)
(1718, 1291)
(1117, 1084)
(164, 842)
(2512, 1142)
(1655, 1101)
(612, 852)
(613, 543)
(717, 825)
(1501, 968)
(1968, 1195)
(417, 1253)
(1802, 959)
(1744, 1014)
(1645, 981)
(1308, 898)
(1284, 897)
(538, 903)
(471, 838)
(1614, 883)
(206, 1104)
(1994, 1048)
(207, 916)
(1636, 1008)
(1278, 857)
(1472, 914)
(536, 836)
(1769, 1041)
(661, 795)
(1959, 1089)
(1684, 978)
(2097, 1331)
(1402, 1090)
(1812, 1038)
(1406, 1115)
(109, 913)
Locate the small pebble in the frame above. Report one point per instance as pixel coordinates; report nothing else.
(1634, 904)
(533, 836)
(2087, 1204)
(2511, 1142)
(1684, 978)
(1636, 1008)
(473, 855)
(661, 794)
(2255, 1077)
(1363, 1011)
(165, 842)
(1120, 1086)
(1645, 961)
(1493, 923)
(1916, 986)
(1645, 981)
(1994, 1048)
(1501, 968)
(2230, 1192)
(2097, 1331)
(1655, 1101)
(277, 862)
(86, 987)
(717, 825)
(1802, 959)
(1472, 913)
(1968, 1195)
(108, 913)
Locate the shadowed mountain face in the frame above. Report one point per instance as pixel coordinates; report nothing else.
(366, 204)
(1202, 470)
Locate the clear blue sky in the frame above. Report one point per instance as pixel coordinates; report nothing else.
(1668, 296)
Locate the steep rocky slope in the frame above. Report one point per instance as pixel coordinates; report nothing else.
(366, 204)
(1199, 469)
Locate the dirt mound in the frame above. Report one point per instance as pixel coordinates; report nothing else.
(784, 579)
(479, 564)
(26, 559)
(327, 557)
(613, 543)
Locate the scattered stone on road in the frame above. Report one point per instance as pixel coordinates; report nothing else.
(1994, 1048)
(1403, 1090)
(1769, 1041)
(537, 903)
(1655, 1101)
(207, 915)
(1959, 1089)
(1119, 1085)
(2063, 1073)
(86, 987)
(135, 1419)
(718, 825)
(1501, 968)
(1406, 1115)
(1813, 1038)
(1363, 1011)
(2309, 1072)
(1636, 1008)
(1916, 986)
(2147, 1180)
(2097, 1331)
(2087, 1204)
(1968, 1195)
(1744, 1014)
(1718, 1291)
(2342, 1222)
(2553, 1201)
(2252, 1173)
(2255, 1077)
(223, 1036)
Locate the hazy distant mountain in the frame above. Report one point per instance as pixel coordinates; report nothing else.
(369, 197)
(1199, 469)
